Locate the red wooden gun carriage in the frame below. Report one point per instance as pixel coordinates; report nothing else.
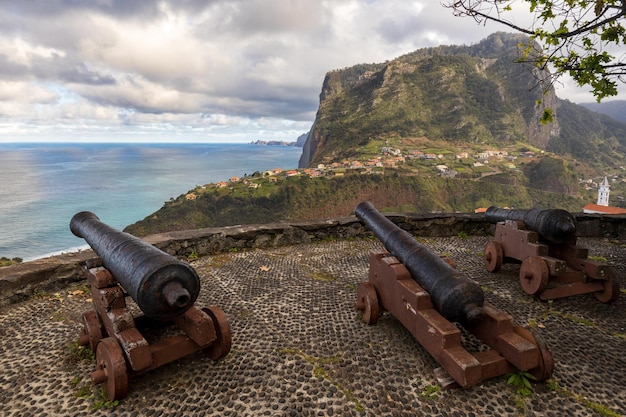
(552, 264)
(163, 288)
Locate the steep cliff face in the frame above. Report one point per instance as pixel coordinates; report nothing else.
(462, 94)
(335, 84)
(307, 149)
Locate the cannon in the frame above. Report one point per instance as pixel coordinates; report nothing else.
(163, 288)
(457, 297)
(545, 243)
(553, 225)
(427, 295)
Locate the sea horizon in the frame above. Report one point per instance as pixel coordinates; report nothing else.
(46, 183)
(122, 142)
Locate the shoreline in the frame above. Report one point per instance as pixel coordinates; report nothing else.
(121, 182)
(67, 251)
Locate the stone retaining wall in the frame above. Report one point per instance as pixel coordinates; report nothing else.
(24, 280)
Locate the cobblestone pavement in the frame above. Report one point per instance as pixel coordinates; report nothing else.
(300, 349)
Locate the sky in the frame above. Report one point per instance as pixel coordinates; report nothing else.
(199, 70)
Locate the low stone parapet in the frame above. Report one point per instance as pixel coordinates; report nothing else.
(21, 281)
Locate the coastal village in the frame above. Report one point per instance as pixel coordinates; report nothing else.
(417, 162)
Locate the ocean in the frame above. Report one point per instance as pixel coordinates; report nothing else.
(43, 185)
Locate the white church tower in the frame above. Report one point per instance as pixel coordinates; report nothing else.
(603, 193)
(603, 202)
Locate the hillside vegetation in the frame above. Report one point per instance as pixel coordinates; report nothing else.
(446, 129)
(301, 197)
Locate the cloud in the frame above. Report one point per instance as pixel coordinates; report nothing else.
(218, 70)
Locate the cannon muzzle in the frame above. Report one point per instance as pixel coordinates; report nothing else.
(162, 286)
(457, 297)
(554, 225)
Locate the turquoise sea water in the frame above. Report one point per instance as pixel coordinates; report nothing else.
(43, 185)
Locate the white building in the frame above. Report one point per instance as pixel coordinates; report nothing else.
(603, 193)
(602, 206)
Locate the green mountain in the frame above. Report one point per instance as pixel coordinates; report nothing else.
(465, 96)
(616, 109)
(441, 129)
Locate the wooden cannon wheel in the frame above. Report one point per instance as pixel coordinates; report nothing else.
(494, 256)
(221, 345)
(546, 363)
(534, 275)
(367, 302)
(610, 290)
(92, 330)
(111, 369)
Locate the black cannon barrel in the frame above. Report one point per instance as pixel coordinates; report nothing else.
(162, 286)
(456, 297)
(554, 225)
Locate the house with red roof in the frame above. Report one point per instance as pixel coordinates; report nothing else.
(598, 209)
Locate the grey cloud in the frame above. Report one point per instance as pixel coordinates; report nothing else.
(268, 101)
(400, 28)
(80, 74)
(279, 16)
(118, 8)
(399, 31)
(450, 29)
(299, 110)
(61, 69)
(9, 69)
(130, 104)
(157, 61)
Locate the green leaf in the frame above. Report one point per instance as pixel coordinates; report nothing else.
(547, 116)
